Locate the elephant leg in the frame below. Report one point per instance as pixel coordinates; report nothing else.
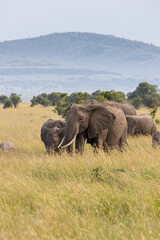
(112, 140)
(123, 140)
(153, 130)
(80, 141)
(93, 143)
(101, 140)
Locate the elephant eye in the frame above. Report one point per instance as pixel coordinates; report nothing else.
(81, 118)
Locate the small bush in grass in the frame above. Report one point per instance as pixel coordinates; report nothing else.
(8, 103)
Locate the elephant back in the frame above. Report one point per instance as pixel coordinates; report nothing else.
(127, 108)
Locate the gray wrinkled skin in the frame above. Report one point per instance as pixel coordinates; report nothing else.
(126, 107)
(5, 146)
(103, 125)
(156, 140)
(141, 124)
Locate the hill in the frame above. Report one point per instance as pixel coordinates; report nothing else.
(70, 62)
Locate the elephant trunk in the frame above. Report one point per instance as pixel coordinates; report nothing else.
(70, 135)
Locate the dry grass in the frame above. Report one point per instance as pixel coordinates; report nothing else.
(115, 196)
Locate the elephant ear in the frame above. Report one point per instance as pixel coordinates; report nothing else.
(131, 122)
(60, 124)
(60, 131)
(46, 129)
(100, 119)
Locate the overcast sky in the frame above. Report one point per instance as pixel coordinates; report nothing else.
(131, 19)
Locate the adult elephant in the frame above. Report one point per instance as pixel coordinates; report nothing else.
(52, 133)
(141, 124)
(93, 120)
(126, 107)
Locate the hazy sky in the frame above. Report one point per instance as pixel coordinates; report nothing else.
(132, 19)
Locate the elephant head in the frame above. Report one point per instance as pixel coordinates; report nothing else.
(53, 138)
(90, 116)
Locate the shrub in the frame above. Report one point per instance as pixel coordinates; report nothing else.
(137, 102)
(8, 103)
(3, 98)
(62, 108)
(15, 99)
(79, 97)
(111, 96)
(56, 97)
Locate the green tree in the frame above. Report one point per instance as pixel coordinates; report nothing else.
(154, 110)
(95, 94)
(100, 98)
(62, 108)
(45, 102)
(56, 97)
(113, 96)
(148, 93)
(34, 101)
(40, 99)
(79, 97)
(8, 103)
(3, 98)
(137, 102)
(49, 99)
(15, 99)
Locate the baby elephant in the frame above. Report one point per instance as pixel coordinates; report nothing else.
(52, 133)
(156, 139)
(5, 146)
(141, 124)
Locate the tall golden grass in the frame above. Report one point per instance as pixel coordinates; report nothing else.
(89, 196)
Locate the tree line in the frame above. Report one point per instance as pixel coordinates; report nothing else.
(145, 94)
(12, 101)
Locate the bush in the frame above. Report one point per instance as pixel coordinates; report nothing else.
(137, 102)
(79, 97)
(56, 97)
(8, 103)
(100, 98)
(3, 98)
(15, 99)
(45, 102)
(148, 93)
(62, 108)
(40, 99)
(111, 96)
(95, 94)
(49, 99)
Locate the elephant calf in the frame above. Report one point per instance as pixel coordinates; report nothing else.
(156, 139)
(7, 146)
(52, 133)
(141, 124)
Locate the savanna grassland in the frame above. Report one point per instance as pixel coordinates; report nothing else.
(89, 196)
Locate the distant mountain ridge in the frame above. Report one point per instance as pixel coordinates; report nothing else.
(105, 60)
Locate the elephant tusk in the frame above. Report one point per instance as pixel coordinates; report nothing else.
(68, 144)
(61, 143)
